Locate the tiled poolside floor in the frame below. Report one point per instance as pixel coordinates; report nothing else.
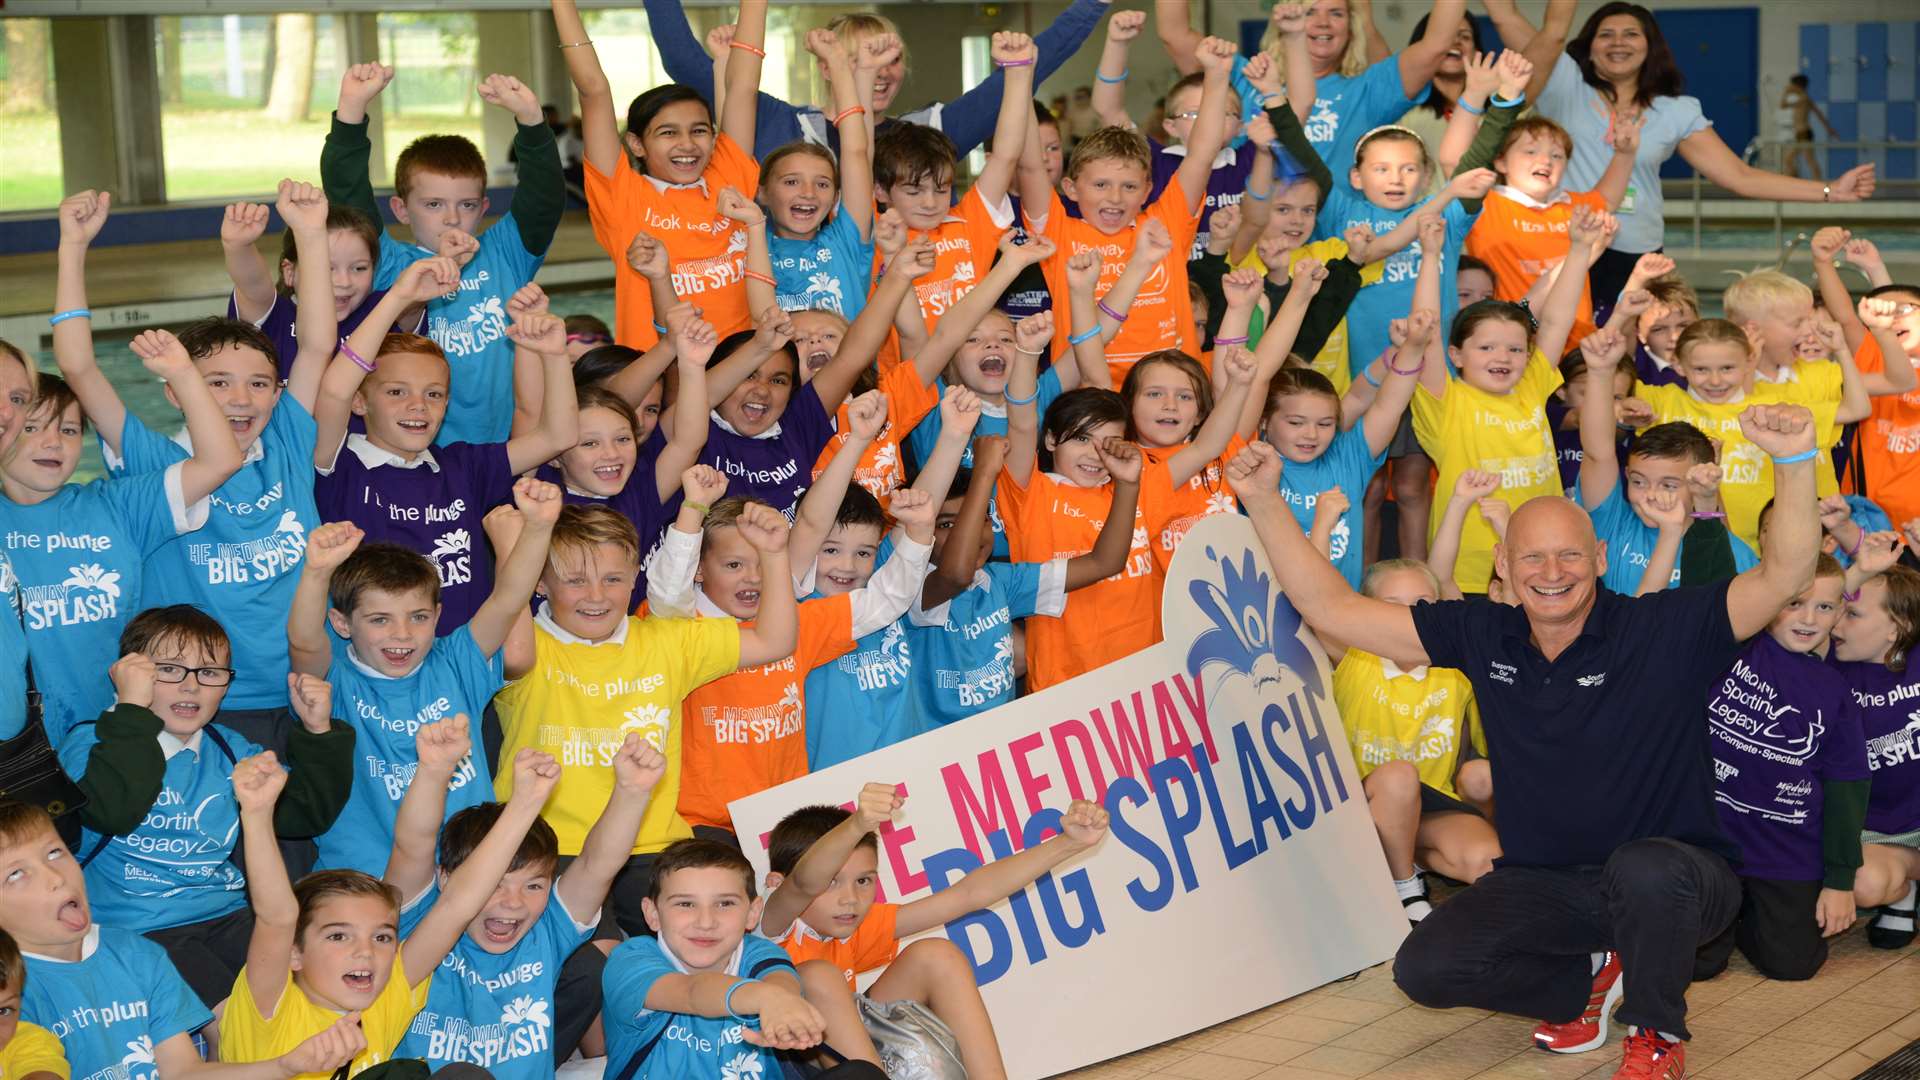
(1862, 1007)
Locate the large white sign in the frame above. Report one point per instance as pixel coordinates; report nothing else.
(1242, 867)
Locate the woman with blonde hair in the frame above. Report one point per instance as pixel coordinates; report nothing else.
(968, 119)
(1352, 95)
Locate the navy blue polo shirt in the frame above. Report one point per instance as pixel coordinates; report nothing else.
(1609, 742)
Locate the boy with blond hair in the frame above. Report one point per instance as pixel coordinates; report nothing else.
(1110, 176)
(440, 192)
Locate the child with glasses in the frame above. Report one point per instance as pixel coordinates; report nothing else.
(160, 824)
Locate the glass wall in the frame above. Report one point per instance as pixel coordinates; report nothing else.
(29, 126)
(435, 77)
(264, 84)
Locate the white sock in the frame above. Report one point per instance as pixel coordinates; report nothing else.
(1899, 916)
(1598, 960)
(1410, 888)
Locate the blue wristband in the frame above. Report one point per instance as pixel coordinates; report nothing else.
(1471, 111)
(1084, 337)
(1795, 459)
(1120, 78)
(1367, 374)
(76, 313)
(658, 329)
(728, 1000)
(1028, 400)
(1508, 103)
(1259, 198)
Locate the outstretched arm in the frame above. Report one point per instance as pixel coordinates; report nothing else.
(309, 646)
(1421, 59)
(240, 232)
(1110, 84)
(1315, 587)
(439, 748)
(1081, 827)
(1210, 130)
(304, 208)
(1786, 433)
(81, 218)
(513, 584)
(1014, 54)
(637, 768)
(215, 455)
(1173, 22)
(1599, 456)
(817, 868)
(599, 123)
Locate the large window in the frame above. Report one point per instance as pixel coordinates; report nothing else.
(244, 100)
(29, 124)
(434, 58)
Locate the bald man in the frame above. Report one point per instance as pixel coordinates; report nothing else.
(1594, 706)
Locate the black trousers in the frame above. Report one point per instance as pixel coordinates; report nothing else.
(1520, 939)
(1776, 932)
(1608, 275)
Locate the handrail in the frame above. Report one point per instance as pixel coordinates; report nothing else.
(1752, 153)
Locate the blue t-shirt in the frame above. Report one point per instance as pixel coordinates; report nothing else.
(679, 1046)
(473, 986)
(827, 273)
(175, 867)
(926, 435)
(1345, 107)
(243, 565)
(1348, 464)
(470, 325)
(386, 714)
(776, 467)
(13, 648)
(1391, 297)
(1630, 543)
(80, 556)
(858, 703)
(110, 1008)
(964, 647)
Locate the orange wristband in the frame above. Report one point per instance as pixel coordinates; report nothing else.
(851, 110)
(744, 47)
(755, 275)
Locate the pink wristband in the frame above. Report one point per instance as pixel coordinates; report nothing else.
(347, 350)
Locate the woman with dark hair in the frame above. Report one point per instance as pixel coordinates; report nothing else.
(1429, 118)
(1619, 63)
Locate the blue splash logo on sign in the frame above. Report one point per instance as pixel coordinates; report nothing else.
(1255, 632)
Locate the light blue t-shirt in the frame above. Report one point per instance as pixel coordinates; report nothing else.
(1346, 107)
(963, 649)
(827, 273)
(1348, 464)
(1588, 117)
(494, 1010)
(243, 565)
(679, 1046)
(1630, 543)
(110, 1008)
(80, 557)
(175, 868)
(386, 714)
(926, 435)
(13, 653)
(470, 325)
(858, 703)
(1391, 297)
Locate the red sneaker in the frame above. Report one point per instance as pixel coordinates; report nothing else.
(1650, 1057)
(1579, 1036)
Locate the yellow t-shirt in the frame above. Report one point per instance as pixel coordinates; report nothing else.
(1817, 384)
(245, 1035)
(33, 1049)
(580, 700)
(1746, 472)
(1414, 716)
(1501, 433)
(1331, 360)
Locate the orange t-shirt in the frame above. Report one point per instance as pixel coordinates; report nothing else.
(1890, 445)
(963, 249)
(1109, 619)
(1162, 314)
(1521, 240)
(873, 944)
(746, 732)
(882, 468)
(708, 250)
(1205, 493)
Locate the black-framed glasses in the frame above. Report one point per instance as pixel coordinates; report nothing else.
(207, 676)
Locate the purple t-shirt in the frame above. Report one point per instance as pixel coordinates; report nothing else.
(1890, 718)
(1783, 724)
(775, 468)
(278, 324)
(1648, 370)
(638, 502)
(1226, 184)
(433, 508)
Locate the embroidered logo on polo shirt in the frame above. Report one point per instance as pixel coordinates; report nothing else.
(1500, 672)
(1592, 680)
